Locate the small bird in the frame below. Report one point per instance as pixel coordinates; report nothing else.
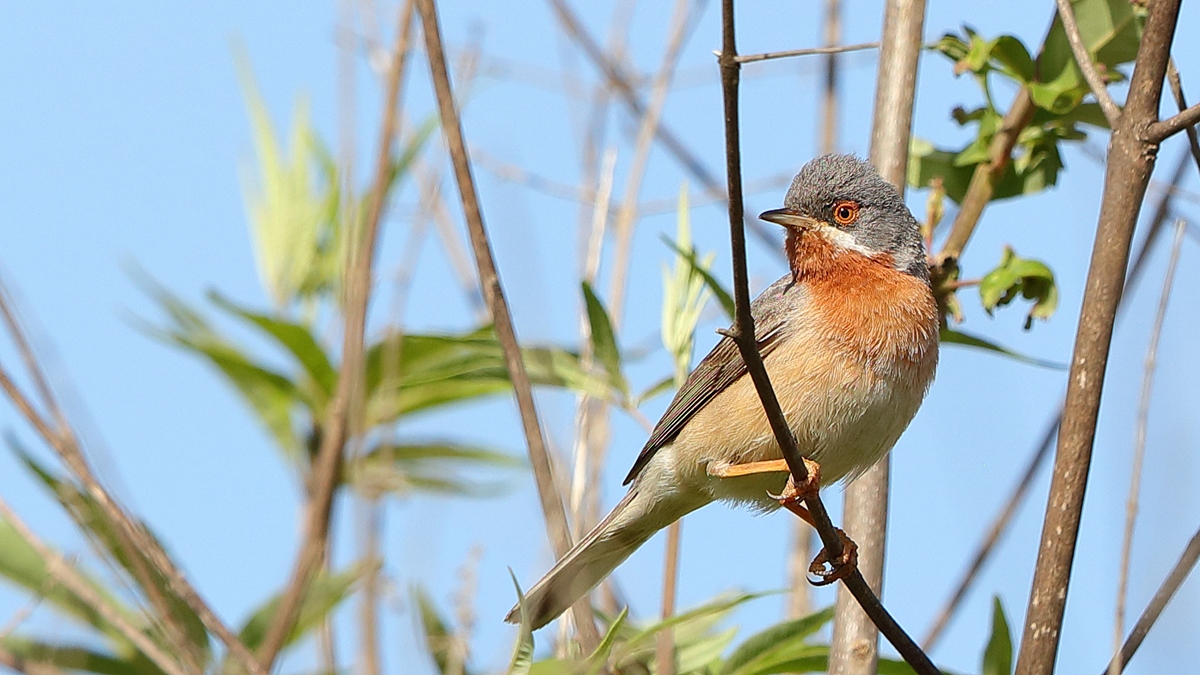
(850, 340)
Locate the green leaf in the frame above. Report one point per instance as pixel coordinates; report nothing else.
(925, 162)
(440, 642)
(1016, 276)
(760, 653)
(956, 337)
(599, 656)
(657, 389)
(604, 340)
(723, 297)
(402, 468)
(1111, 31)
(76, 658)
(296, 338)
(325, 593)
(273, 397)
(1013, 58)
(690, 626)
(997, 658)
(407, 373)
(522, 656)
(94, 522)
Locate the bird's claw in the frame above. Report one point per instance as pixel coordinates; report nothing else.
(794, 494)
(828, 571)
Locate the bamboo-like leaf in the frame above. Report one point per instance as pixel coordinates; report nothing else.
(599, 657)
(296, 338)
(93, 521)
(401, 468)
(77, 657)
(522, 657)
(604, 340)
(689, 626)
(325, 593)
(997, 657)
(957, 337)
(779, 643)
(719, 292)
(439, 641)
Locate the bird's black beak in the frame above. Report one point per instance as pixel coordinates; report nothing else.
(788, 218)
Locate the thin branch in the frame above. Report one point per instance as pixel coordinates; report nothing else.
(489, 281)
(139, 545)
(743, 335)
(1176, 84)
(986, 175)
(1186, 119)
(1139, 445)
(1166, 591)
(622, 84)
(1095, 81)
(832, 49)
(65, 574)
(347, 400)
(21, 665)
(1131, 160)
(665, 648)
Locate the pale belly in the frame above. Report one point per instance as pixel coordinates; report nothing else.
(845, 414)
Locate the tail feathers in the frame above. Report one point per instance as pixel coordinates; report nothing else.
(622, 531)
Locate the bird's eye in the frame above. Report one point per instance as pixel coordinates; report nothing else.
(845, 212)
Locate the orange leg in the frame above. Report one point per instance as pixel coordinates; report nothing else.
(827, 571)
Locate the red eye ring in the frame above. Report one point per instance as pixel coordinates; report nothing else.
(845, 211)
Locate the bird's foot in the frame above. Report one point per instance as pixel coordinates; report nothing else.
(792, 493)
(828, 571)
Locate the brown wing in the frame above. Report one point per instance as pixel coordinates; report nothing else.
(722, 367)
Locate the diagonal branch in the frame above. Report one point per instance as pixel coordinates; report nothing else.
(348, 396)
(489, 280)
(1186, 119)
(743, 335)
(1095, 81)
(831, 49)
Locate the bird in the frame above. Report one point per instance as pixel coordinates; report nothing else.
(849, 338)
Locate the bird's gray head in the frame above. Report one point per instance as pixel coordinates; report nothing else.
(844, 197)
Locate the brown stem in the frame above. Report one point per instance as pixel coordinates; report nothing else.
(493, 292)
(1186, 119)
(1130, 161)
(742, 334)
(665, 649)
(855, 645)
(829, 49)
(348, 396)
(1095, 82)
(986, 175)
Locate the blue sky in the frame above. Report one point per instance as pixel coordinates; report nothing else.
(123, 139)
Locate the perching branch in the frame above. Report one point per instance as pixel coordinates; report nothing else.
(493, 292)
(1095, 81)
(1186, 119)
(742, 334)
(1131, 158)
(347, 399)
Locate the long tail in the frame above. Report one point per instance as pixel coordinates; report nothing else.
(633, 521)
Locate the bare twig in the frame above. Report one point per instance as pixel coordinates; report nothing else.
(830, 49)
(1131, 159)
(1139, 446)
(622, 84)
(742, 334)
(626, 215)
(347, 399)
(1095, 81)
(1176, 85)
(1166, 591)
(984, 179)
(141, 548)
(65, 574)
(489, 280)
(665, 649)
(855, 645)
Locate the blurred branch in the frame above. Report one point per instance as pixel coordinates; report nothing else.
(622, 84)
(20, 665)
(830, 49)
(1139, 445)
(347, 400)
(1131, 158)
(742, 334)
(489, 281)
(855, 645)
(1095, 81)
(139, 545)
(65, 574)
(1166, 591)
